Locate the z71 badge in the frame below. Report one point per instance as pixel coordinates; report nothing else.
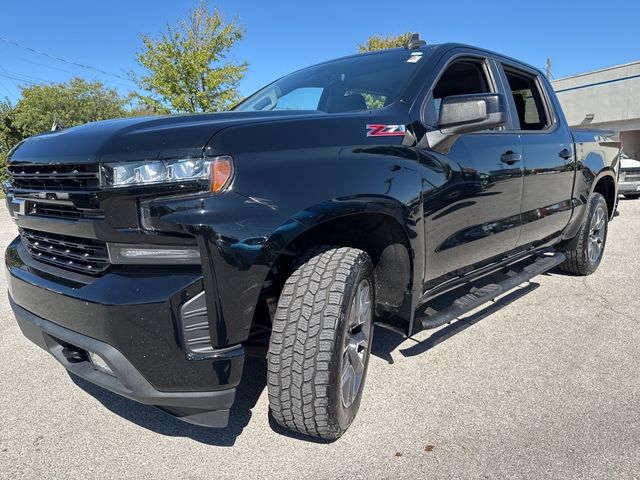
(377, 130)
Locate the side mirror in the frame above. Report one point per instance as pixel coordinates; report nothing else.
(472, 113)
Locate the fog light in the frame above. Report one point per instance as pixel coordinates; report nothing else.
(147, 254)
(99, 364)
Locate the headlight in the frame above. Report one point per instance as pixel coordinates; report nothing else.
(218, 171)
(622, 176)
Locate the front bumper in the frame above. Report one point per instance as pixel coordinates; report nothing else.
(71, 349)
(628, 187)
(130, 319)
(179, 328)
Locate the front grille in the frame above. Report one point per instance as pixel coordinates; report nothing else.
(55, 177)
(51, 210)
(63, 211)
(73, 253)
(632, 174)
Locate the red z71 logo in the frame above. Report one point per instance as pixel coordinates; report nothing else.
(377, 130)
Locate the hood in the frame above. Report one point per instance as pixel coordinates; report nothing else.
(138, 138)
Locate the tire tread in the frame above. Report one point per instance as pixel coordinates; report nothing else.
(303, 337)
(577, 261)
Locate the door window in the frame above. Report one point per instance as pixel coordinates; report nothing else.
(463, 77)
(528, 100)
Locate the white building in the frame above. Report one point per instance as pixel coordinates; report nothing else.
(605, 99)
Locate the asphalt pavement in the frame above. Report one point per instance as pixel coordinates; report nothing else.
(545, 384)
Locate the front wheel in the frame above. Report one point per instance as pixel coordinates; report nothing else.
(585, 258)
(321, 341)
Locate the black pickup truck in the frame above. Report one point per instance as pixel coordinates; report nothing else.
(403, 187)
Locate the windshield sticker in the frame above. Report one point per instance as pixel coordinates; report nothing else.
(415, 57)
(378, 130)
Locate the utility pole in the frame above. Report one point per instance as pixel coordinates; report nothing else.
(549, 69)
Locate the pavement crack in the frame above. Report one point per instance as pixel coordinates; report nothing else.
(607, 302)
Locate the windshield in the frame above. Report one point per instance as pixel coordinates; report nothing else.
(351, 84)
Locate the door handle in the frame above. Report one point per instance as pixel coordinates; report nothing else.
(565, 153)
(510, 157)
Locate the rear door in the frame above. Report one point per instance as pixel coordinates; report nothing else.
(474, 216)
(547, 146)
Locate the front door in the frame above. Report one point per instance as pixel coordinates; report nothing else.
(472, 211)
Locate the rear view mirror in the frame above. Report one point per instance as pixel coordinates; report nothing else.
(472, 113)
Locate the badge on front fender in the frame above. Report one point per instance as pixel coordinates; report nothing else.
(380, 130)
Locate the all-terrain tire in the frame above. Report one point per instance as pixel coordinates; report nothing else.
(310, 340)
(578, 259)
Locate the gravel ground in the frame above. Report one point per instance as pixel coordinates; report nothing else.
(546, 387)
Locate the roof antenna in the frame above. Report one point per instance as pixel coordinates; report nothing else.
(56, 126)
(414, 42)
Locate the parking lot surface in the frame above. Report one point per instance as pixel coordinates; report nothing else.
(547, 386)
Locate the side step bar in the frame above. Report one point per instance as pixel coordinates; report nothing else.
(486, 293)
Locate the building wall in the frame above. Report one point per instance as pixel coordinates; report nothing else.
(612, 95)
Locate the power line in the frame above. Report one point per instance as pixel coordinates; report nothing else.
(16, 76)
(113, 82)
(14, 83)
(25, 76)
(33, 80)
(70, 62)
(20, 79)
(29, 79)
(6, 90)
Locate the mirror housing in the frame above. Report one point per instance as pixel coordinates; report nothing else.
(472, 113)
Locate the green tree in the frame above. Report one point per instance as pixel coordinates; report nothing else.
(8, 135)
(187, 69)
(68, 104)
(379, 42)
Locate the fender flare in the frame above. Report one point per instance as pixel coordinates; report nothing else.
(316, 215)
(571, 233)
(405, 228)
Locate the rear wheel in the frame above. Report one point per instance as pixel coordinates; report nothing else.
(585, 258)
(321, 341)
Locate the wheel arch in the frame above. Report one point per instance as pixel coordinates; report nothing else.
(381, 237)
(381, 234)
(605, 184)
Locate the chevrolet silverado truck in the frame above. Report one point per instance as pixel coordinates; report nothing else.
(404, 187)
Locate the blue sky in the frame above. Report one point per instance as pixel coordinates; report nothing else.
(282, 36)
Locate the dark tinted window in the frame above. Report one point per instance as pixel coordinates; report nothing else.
(528, 100)
(356, 83)
(463, 77)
